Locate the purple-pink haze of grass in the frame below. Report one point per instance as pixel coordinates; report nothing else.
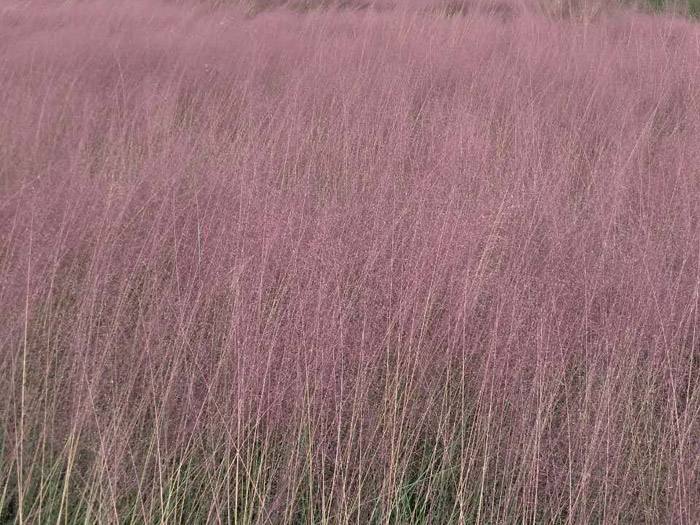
(377, 265)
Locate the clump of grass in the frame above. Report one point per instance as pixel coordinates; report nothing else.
(350, 266)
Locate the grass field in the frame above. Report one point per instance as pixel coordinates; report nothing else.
(409, 263)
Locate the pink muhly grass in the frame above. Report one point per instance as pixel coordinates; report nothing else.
(375, 265)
